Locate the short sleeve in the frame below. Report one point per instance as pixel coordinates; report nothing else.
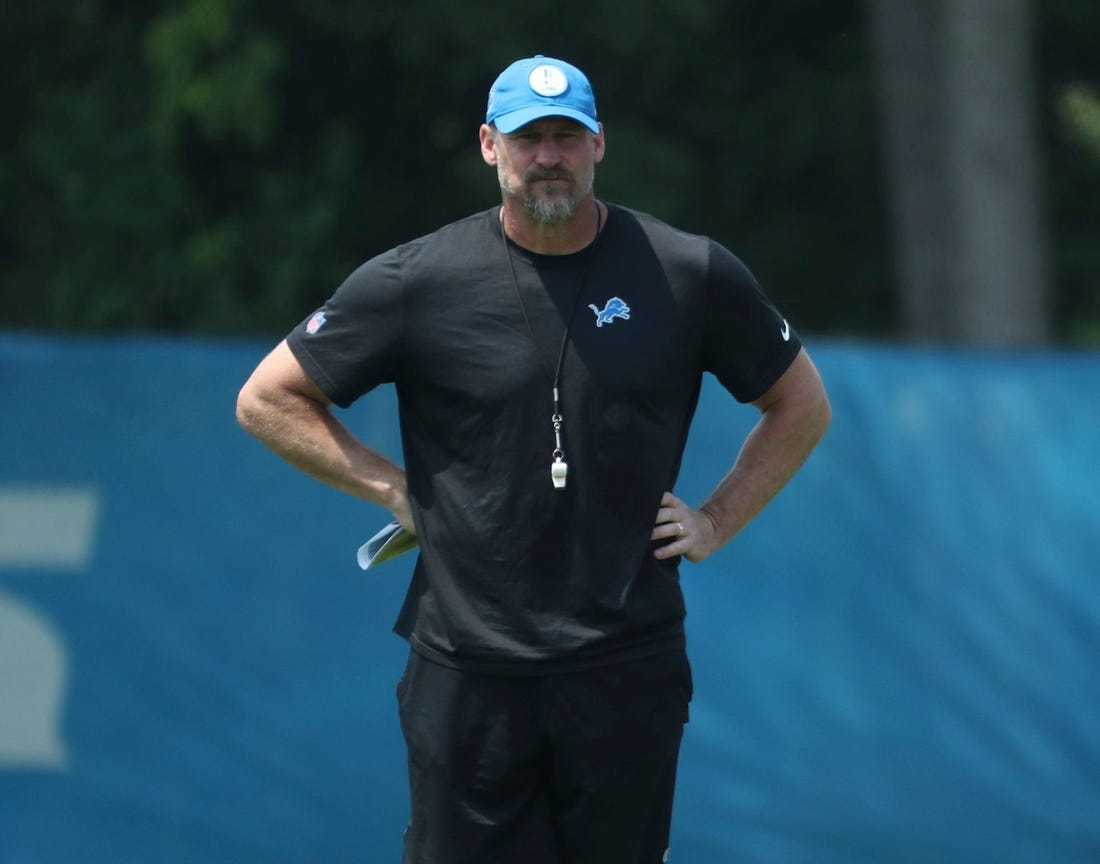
(350, 345)
(748, 343)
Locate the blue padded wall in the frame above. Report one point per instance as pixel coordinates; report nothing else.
(897, 662)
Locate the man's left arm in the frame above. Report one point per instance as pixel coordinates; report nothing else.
(794, 414)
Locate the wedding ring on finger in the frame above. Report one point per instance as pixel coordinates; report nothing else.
(680, 528)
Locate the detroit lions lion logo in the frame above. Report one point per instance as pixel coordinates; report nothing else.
(615, 308)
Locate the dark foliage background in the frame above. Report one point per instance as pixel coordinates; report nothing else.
(218, 166)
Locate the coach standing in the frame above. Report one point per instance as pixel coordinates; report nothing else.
(547, 356)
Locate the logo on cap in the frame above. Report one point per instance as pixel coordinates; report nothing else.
(548, 81)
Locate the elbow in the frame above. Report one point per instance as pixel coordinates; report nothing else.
(811, 415)
(248, 409)
(823, 416)
(818, 416)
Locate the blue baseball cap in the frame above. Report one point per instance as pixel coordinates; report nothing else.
(540, 87)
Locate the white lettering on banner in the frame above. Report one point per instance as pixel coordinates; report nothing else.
(33, 679)
(41, 528)
(47, 527)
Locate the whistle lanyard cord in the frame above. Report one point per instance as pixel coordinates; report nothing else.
(556, 381)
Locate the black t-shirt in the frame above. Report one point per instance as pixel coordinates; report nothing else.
(514, 575)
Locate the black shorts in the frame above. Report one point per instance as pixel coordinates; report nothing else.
(569, 768)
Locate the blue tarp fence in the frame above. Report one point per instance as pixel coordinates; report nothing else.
(899, 661)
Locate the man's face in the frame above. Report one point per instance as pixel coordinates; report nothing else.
(548, 166)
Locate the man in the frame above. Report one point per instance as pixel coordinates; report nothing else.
(547, 356)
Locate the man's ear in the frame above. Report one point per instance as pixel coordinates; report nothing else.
(488, 137)
(600, 147)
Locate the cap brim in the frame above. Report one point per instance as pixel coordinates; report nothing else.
(511, 121)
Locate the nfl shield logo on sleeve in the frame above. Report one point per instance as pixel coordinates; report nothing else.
(315, 323)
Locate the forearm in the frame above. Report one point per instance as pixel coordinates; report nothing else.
(794, 416)
(285, 410)
(776, 448)
(308, 436)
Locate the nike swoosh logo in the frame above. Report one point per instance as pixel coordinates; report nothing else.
(786, 331)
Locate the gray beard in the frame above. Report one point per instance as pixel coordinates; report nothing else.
(553, 211)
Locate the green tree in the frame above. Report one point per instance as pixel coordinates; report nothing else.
(1069, 33)
(217, 166)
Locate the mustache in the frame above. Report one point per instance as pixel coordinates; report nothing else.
(547, 174)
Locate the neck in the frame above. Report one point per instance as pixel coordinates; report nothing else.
(562, 239)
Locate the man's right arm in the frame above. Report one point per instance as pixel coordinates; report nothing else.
(283, 407)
